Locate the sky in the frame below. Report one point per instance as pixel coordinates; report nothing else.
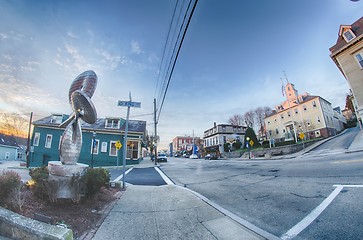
(232, 59)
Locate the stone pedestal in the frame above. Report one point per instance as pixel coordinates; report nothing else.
(62, 176)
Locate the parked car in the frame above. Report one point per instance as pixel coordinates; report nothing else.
(186, 155)
(194, 156)
(211, 156)
(162, 157)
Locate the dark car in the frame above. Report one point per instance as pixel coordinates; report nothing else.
(162, 157)
(211, 156)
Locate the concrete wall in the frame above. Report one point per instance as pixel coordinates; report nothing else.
(268, 152)
(15, 226)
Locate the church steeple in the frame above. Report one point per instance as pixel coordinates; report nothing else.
(291, 92)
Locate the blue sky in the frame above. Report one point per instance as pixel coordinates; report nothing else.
(231, 61)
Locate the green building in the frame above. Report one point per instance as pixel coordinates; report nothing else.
(105, 133)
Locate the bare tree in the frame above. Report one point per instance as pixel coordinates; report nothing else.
(13, 124)
(250, 118)
(261, 113)
(236, 120)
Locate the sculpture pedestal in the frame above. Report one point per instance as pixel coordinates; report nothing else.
(63, 178)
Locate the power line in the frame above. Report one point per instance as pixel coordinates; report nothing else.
(177, 54)
(166, 43)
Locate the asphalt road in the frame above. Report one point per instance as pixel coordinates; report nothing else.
(140, 176)
(316, 196)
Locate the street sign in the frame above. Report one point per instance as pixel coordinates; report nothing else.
(129, 104)
(301, 135)
(251, 143)
(118, 145)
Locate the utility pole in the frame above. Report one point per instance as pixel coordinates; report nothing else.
(155, 140)
(28, 142)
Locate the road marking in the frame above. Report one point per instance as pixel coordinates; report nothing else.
(349, 161)
(166, 179)
(120, 177)
(293, 232)
(353, 186)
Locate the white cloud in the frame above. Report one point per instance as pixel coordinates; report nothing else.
(135, 47)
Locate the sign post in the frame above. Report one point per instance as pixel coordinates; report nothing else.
(127, 104)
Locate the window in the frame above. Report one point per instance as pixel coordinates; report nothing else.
(318, 119)
(132, 149)
(224, 129)
(314, 104)
(112, 123)
(57, 119)
(276, 131)
(359, 58)
(289, 114)
(270, 132)
(304, 107)
(113, 150)
(296, 111)
(348, 35)
(282, 116)
(104, 147)
(36, 139)
(95, 143)
(7, 155)
(48, 141)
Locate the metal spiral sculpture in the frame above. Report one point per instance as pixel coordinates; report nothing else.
(80, 94)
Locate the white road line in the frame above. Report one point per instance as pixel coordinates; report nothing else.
(293, 232)
(353, 186)
(166, 179)
(120, 177)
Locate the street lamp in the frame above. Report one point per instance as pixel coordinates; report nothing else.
(93, 146)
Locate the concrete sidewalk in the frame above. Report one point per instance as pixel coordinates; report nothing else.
(357, 144)
(168, 212)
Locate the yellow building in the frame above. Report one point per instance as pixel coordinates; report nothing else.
(303, 116)
(347, 54)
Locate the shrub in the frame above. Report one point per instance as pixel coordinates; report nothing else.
(40, 177)
(9, 182)
(95, 178)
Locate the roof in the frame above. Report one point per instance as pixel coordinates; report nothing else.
(8, 140)
(134, 125)
(357, 29)
(305, 98)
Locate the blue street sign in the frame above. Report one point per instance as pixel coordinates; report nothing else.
(129, 104)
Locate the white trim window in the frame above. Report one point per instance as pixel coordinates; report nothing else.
(113, 149)
(36, 139)
(48, 141)
(95, 143)
(348, 35)
(359, 58)
(104, 147)
(112, 123)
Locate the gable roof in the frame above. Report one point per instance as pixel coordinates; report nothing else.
(134, 125)
(356, 28)
(7, 140)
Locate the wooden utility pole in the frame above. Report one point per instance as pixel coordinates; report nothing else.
(155, 136)
(28, 142)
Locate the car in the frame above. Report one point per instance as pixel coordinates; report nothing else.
(162, 157)
(194, 156)
(211, 156)
(186, 155)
